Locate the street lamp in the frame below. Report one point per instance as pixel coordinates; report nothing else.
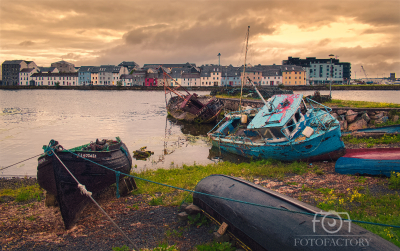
(330, 84)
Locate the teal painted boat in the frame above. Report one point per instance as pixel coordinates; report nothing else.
(285, 128)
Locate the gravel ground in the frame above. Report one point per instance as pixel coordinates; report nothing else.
(33, 226)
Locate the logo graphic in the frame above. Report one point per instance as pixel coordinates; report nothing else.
(331, 221)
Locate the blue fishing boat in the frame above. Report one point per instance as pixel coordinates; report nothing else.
(285, 128)
(370, 161)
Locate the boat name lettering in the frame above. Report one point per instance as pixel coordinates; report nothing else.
(87, 155)
(42, 160)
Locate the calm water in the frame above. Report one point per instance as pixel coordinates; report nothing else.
(139, 118)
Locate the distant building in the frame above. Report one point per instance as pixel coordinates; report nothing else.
(293, 75)
(393, 76)
(84, 75)
(52, 79)
(11, 69)
(25, 76)
(322, 71)
(130, 65)
(64, 66)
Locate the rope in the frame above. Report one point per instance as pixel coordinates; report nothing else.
(238, 201)
(117, 182)
(89, 194)
(19, 162)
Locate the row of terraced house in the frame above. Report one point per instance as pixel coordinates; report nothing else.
(20, 72)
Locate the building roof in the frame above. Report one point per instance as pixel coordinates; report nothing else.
(59, 74)
(13, 61)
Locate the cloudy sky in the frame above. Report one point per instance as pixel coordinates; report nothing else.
(95, 32)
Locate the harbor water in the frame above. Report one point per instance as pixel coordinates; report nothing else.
(29, 119)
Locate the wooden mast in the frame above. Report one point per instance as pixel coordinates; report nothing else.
(244, 69)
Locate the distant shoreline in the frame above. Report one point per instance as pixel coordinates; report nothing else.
(202, 88)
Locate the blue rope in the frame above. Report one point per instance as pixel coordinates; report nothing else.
(239, 201)
(117, 173)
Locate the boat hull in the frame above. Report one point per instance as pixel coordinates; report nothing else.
(370, 161)
(56, 180)
(260, 228)
(208, 113)
(327, 146)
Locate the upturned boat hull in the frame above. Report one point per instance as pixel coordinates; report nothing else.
(370, 161)
(57, 181)
(197, 109)
(260, 228)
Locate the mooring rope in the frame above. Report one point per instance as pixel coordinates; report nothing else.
(234, 200)
(83, 190)
(20, 162)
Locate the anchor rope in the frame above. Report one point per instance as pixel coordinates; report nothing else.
(83, 190)
(238, 201)
(20, 162)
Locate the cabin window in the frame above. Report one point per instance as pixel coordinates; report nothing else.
(268, 134)
(276, 131)
(291, 125)
(297, 116)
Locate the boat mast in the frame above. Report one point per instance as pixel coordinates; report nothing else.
(244, 69)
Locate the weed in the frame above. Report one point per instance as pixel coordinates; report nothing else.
(123, 248)
(24, 193)
(292, 183)
(394, 181)
(319, 172)
(361, 179)
(156, 201)
(198, 220)
(31, 218)
(224, 246)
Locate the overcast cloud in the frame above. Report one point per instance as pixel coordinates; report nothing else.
(95, 32)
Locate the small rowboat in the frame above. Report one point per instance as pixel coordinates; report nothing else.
(371, 161)
(53, 177)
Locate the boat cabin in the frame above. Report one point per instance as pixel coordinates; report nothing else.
(281, 120)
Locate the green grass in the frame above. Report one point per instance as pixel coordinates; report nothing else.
(368, 207)
(24, 193)
(385, 139)
(188, 176)
(394, 181)
(359, 104)
(224, 246)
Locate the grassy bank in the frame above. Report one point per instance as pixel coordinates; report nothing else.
(359, 104)
(365, 199)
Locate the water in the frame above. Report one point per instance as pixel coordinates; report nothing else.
(139, 118)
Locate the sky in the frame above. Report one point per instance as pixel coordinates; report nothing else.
(98, 32)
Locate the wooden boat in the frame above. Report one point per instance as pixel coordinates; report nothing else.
(57, 181)
(378, 130)
(371, 161)
(194, 108)
(190, 107)
(285, 128)
(261, 228)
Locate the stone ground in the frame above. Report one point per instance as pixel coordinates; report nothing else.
(33, 226)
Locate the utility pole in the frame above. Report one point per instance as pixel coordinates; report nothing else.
(330, 84)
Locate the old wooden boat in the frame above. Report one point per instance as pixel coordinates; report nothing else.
(57, 181)
(190, 107)
(370, 161)
(285, 128)
(265, 228)
(194, 108)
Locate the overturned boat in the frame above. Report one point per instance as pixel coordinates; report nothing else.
(285, 128)
(262, 219)
(369, 161)
(86, 163)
